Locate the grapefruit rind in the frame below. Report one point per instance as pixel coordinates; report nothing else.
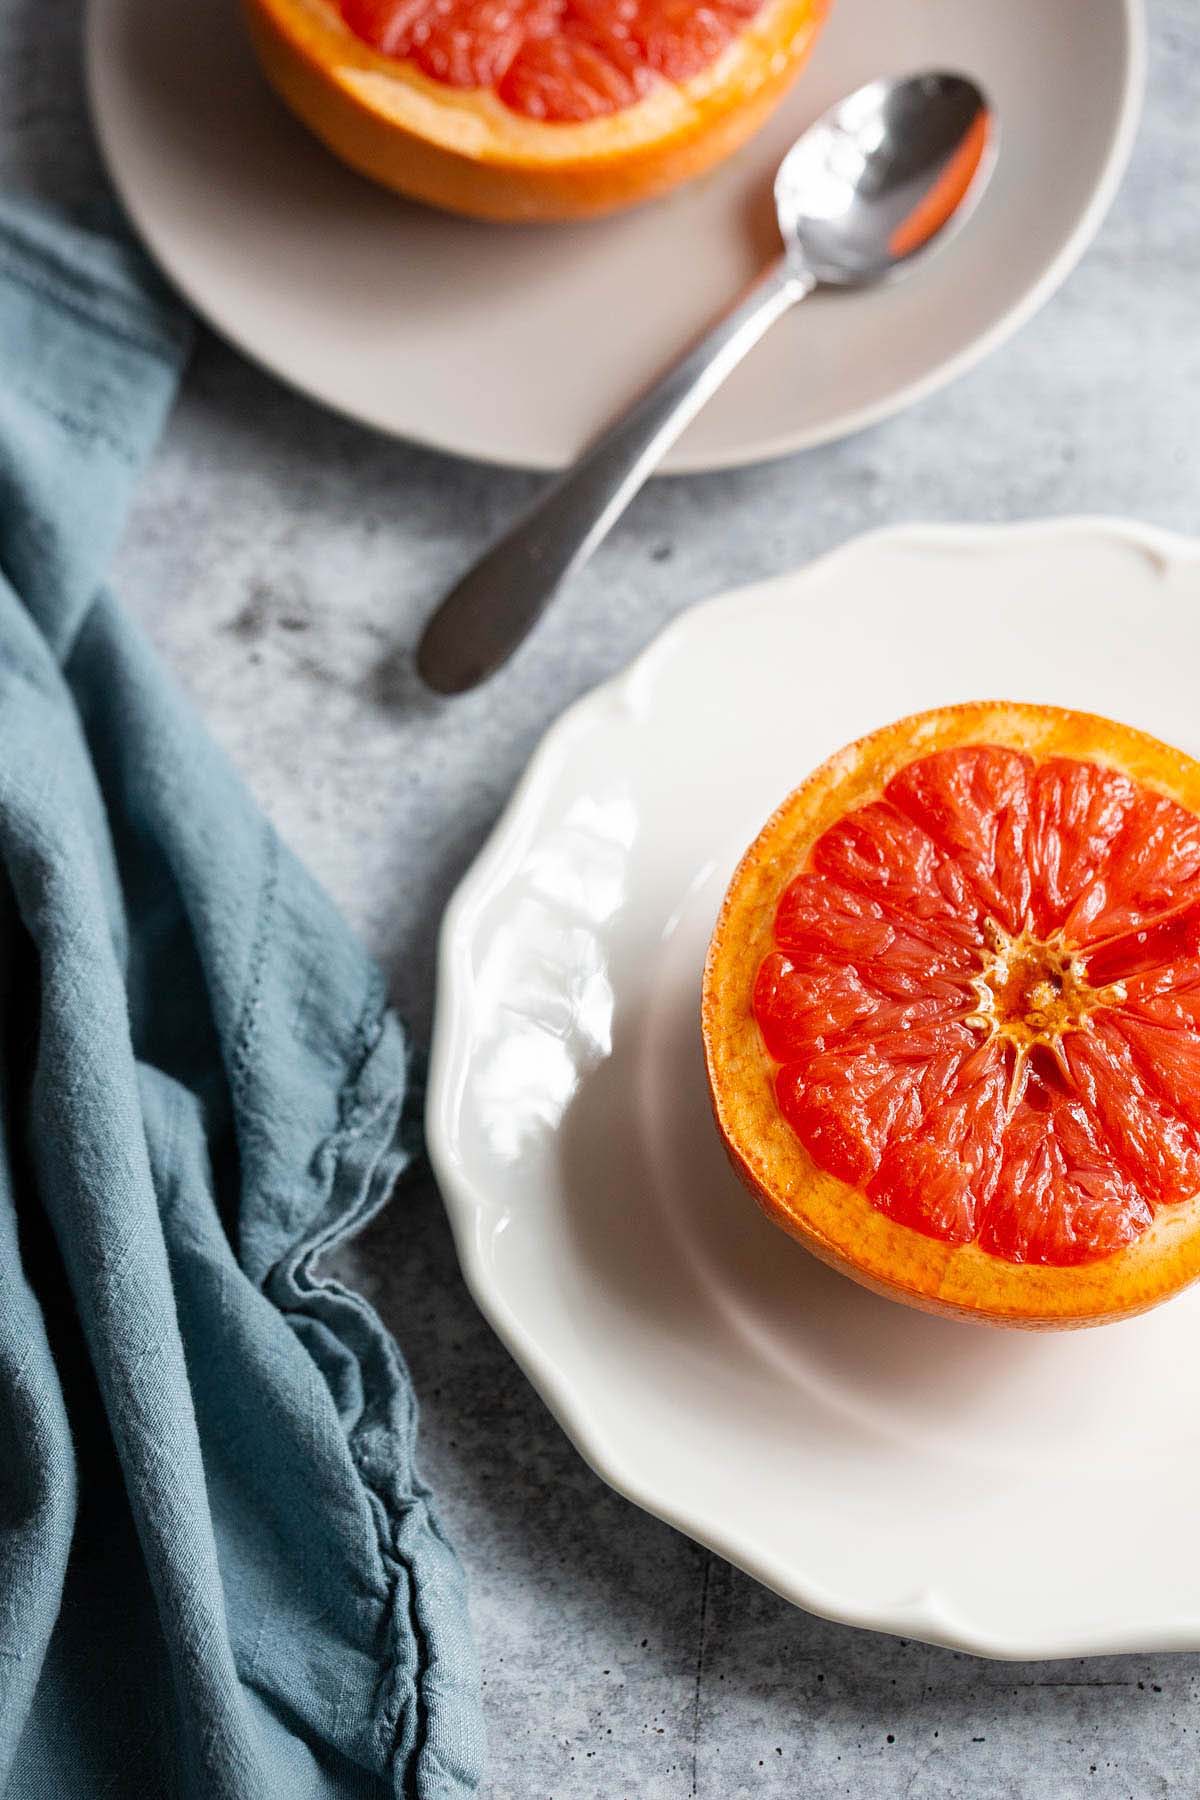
(464, 150)
(833, 1219)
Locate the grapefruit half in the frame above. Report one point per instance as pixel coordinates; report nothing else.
(951, 1015)
(532, 109)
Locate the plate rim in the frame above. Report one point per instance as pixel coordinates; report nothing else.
(927, 1615)
(679, 460)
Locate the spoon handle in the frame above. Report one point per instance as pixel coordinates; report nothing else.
(482, 620)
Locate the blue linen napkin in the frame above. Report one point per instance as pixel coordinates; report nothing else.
(220, 1573)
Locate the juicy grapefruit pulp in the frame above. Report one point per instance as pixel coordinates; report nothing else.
(952, 1014)
(557, 60)
(532, 109)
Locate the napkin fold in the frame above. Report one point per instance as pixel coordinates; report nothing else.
(220, 1572)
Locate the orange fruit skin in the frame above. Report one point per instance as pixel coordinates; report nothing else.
(834, 1220)
(461, 150)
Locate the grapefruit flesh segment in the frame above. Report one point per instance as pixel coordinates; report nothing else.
(572, 77)
(558, 61)
(984, 1003)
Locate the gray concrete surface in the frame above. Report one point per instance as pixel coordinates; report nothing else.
(283, 561)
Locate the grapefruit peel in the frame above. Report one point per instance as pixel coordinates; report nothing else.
(463, 149)
(1034, 999)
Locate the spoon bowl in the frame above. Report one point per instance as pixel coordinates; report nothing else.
(883, 176)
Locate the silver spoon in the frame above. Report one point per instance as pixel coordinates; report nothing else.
(860, 196)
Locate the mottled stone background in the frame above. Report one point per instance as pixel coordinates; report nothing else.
(283, 561)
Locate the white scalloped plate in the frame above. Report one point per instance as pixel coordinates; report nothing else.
(1010, 1494)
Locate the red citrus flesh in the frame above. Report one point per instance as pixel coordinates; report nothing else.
(984, 1001)
(559, 61)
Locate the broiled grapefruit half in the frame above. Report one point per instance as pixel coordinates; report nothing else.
(951, 1015)
(532, 109)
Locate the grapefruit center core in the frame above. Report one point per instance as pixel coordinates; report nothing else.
(1033, 993)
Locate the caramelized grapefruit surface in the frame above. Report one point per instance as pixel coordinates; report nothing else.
(532, 109)
(952, 1014)
(553, 59)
